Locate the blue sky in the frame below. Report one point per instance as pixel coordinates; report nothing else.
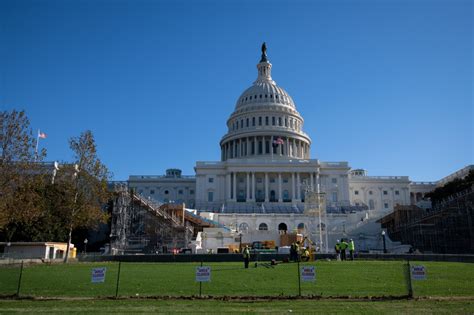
(384, 85)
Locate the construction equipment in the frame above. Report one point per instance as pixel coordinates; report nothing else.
(290, 238)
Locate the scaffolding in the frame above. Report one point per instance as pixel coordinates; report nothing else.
(315, 205)
(446, 228)
(140, 225)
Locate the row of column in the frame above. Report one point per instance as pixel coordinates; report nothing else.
(250, 177)
(256, 145)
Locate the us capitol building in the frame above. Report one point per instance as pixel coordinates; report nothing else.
(266, 174)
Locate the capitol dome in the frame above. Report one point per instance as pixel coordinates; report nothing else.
(265, 122)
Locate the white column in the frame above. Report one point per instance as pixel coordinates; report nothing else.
(247, 197)
(293, 190)
(271, 146)
(228, 186)
(298, 148)
(287, 146)
(234, 187)
(266, 188)
(248, 146)
(255, 145)
(311, 180)
(280, 197)
(317, 183)
(239, 147)
(253, 187)
(298, 186)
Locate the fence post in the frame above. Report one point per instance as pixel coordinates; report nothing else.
(410, 285)
(19, 280)
(299, 279)
(118, 280)
(200, 285)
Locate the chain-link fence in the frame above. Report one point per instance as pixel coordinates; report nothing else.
(321, 278)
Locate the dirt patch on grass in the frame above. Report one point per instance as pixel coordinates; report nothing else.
(244, 298)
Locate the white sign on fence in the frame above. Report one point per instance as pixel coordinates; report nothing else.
(418, 272)
(203, 274)
(98, 275)
(308, 273)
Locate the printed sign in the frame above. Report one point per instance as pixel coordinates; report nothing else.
(418, 272)
(203, 274)
(308, 273)
(98, 275)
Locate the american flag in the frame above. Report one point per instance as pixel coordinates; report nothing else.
(41, 135)
(278, 141)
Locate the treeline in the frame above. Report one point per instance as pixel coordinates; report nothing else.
(45, 201)
(452, 187)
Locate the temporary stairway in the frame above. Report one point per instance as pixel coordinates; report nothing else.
(204, 222)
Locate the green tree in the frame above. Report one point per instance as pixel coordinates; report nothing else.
(20, 172)
(452, 187)
(82, 188)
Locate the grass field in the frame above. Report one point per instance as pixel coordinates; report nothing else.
(247, 307)
(357, 279)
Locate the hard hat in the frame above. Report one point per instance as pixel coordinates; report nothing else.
(351, 239)
(337, 241)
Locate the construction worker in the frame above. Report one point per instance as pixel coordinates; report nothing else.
(305, 255)
(298, 251)
(293, 254)
(351, 248)
(343, 246)
(337, 248)
(246, 255)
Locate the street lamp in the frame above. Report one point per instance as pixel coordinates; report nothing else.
(85, 245)
(384, 244)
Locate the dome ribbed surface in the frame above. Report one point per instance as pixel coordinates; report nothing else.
(264, 93)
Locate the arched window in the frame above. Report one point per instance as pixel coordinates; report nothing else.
(371, 204)
(282, 227)
(243, 227)
(263, 227)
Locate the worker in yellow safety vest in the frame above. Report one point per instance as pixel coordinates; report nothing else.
(343, 246)
(351, 248)
(246, 255)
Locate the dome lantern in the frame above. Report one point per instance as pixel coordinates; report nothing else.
(264, 68)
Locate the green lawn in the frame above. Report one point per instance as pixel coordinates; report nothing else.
(358, 278)
(207, 307)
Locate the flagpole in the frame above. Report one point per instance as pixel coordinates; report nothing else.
(37, 142)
